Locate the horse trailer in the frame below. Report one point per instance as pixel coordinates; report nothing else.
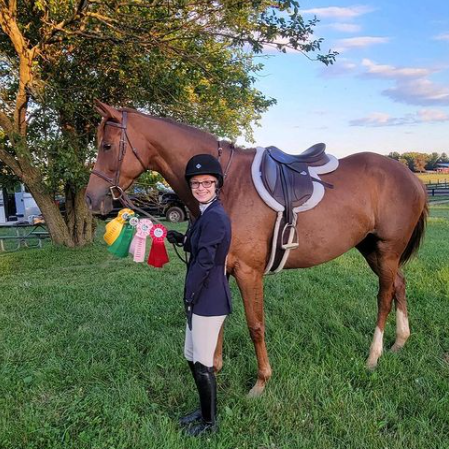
(17, 205)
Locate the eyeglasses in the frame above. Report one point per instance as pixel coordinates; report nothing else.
(206, 184)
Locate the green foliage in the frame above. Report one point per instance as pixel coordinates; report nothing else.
(418, 162)
(91, 350)
(7, 179)
(189, 60)
(150, 178)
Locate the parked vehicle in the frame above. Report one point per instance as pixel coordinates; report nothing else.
(17, 205)
(160, 201)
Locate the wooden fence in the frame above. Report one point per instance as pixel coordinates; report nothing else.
(438, 189)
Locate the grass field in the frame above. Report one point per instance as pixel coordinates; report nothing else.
(431, 178)
(91, 356)
(438, 199)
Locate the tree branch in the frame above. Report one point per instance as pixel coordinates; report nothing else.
(6, 123)
(9, 26)
(13, 7)
(11, 162)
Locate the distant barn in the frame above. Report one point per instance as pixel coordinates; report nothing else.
(443, 167)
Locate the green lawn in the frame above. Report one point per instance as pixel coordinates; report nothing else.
(91, 356)
(439, 199)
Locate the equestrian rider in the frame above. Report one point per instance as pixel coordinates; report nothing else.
(207, 296)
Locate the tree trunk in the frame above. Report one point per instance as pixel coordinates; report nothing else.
(56, 225)
(80, 222)
(79, 227)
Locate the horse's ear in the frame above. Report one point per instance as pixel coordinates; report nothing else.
(107, 111)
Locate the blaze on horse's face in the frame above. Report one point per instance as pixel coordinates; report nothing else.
(98, 194)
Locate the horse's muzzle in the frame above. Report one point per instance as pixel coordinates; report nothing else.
(101, 205)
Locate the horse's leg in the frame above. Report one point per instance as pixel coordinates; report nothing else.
(387, 267)
(250, 282)
(400, 301)
(218, 355)
(385, 263)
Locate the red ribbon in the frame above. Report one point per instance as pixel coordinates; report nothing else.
(158, 256)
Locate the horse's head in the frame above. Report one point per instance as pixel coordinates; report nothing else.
(118, 162)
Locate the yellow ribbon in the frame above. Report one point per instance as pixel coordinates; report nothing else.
(115, 226)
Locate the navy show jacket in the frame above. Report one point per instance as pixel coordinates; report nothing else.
(208, 241)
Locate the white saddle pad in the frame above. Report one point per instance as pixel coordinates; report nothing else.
(318, 189)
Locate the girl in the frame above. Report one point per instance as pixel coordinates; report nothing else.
(207, 297)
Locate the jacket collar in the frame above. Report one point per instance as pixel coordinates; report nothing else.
(204, 207)
(211, 205)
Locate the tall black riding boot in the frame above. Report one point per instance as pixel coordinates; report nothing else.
(207, 389)
(196, 414)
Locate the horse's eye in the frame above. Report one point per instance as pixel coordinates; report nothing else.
(107, 146)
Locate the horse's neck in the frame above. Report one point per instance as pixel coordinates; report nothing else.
(175, 145)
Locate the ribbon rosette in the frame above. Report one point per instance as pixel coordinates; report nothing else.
(139, 243)
(115, 226)
(121, 245)
(158, 254)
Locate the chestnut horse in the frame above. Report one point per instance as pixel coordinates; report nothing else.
(378, 206)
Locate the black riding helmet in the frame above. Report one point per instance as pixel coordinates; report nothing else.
(204, 164)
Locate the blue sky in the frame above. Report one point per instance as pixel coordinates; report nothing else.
(388, 90)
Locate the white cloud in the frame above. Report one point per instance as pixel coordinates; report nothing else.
(374, 119)
(360, 42)
(273, 48)
(345, 27)
(412, 85)
(338, 12)
(433, 115)
(340, 67)
(378, 119)
(442, 37)
(388, 71)
(420, 92)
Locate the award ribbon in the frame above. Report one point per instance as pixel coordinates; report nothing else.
(158, 256)
(120, 247)
(139, 243)
(115, 226)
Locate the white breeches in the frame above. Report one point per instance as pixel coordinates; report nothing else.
(201, 341)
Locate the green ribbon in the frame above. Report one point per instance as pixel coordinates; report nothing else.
(120, 247)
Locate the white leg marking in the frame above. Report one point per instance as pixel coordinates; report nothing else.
(402, 330)
(376, 349)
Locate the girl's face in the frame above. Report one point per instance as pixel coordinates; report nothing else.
(203, 187)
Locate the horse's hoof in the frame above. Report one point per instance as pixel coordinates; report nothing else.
(396, 348)
(256, 391)
(371, 364)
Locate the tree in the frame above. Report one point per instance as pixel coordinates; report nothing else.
(7, 178)
(432, 161)
(190, 60)
(394, 155)
(420, 162)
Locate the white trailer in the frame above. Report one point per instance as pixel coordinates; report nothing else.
(17, 206)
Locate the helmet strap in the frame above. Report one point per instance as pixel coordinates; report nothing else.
(211, 200)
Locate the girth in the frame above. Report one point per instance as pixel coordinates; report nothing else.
(287, 179)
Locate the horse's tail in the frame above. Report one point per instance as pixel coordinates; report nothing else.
(417, 236)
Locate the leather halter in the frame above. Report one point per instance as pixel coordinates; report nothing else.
(124, 139)
(220, 153)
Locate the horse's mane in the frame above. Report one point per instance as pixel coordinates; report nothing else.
(171, 121)
(196, 131)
